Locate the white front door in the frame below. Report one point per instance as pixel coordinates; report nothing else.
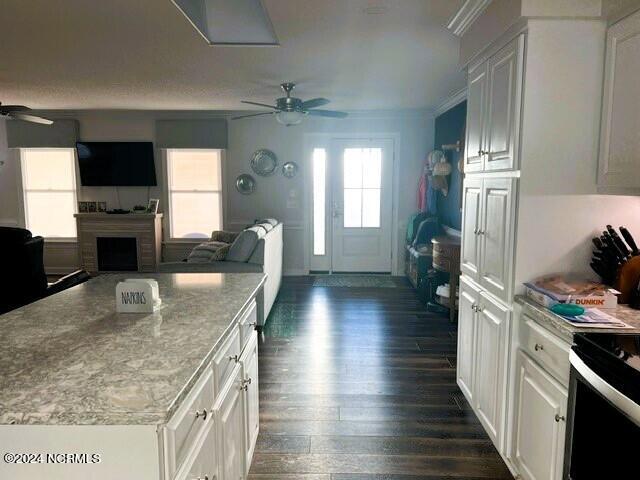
(360, 209)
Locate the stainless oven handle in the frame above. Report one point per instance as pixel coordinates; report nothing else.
(621, 401)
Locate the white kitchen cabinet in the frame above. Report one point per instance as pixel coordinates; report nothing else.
(470, 244)
(476, 105)
(539, 427)
(504, 73)
(468, 303)
(488, 221)
(491, 362)
(229, 413)
(496, 236)
(494, 97)
(619, 159)
(249, 362)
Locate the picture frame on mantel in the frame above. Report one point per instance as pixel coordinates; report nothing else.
(153, 205)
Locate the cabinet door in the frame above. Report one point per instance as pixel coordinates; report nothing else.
(468, 302)
(619, 162)
(540, 409)
(503, 106)
(249, 362)
(470, 248)
(229, 412)
(491, 366)
(496, 236)
(476, 106)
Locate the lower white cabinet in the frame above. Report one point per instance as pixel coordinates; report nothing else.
(491, 366)
(483, 329)
(229, 413)
(249, 362)
(539, 427)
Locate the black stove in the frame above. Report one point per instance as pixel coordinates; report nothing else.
(603, 421)
(613, 356)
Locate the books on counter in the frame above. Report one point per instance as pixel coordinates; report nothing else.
(552, 289)
(595, 318)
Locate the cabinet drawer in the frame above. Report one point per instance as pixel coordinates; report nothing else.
(247, 323)
(203, 463)
(226, 358)
(187, 423)
(547, 349)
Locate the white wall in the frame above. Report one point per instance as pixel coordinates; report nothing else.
(414, 128)
(559, 210)
(8, 182)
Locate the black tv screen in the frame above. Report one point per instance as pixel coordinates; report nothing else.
(117, 164)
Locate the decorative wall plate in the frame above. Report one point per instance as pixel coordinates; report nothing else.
(264, 162)
(245, 184)
(290, 169)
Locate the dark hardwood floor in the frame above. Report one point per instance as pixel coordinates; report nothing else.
(359, 384)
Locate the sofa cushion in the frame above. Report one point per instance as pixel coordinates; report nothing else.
(272, 221)
(244, 245)
(224, 236)
(267, 226)
(221, 253)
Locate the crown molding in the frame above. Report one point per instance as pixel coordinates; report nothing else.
(451, 101)
(466, 15)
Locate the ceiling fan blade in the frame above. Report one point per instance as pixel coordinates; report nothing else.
(29, 118)
(259, 104)
(327, 113)
(315, 102)
(252, 115)
(12, 108)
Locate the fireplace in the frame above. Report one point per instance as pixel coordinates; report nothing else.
(117, 254)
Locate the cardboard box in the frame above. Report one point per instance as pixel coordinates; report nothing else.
(549, 291)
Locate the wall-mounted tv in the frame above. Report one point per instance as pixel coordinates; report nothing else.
(116, 164)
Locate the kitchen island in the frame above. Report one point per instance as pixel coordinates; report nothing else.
(86, 392)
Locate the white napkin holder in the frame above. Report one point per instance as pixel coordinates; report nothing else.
(137, 295)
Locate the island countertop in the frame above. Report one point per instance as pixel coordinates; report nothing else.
(71, 359)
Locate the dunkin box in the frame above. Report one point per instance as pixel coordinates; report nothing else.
(553, 289)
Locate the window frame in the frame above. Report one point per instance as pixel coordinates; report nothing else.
(166, 173)
(24, 204)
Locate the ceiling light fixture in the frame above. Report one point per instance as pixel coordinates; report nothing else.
(289, 118)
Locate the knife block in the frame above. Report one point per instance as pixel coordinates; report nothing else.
(627, 279)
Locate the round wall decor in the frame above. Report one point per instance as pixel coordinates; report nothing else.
(290, 169)
(245, 184)
(264, 162)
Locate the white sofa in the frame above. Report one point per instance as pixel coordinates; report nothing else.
(265, 258)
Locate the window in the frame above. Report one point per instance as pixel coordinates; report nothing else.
(49, 187)
(362, 186)
(319, 160)
(194, 180)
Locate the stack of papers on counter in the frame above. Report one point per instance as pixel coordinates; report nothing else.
(594, 318)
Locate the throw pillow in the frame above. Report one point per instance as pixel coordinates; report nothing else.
(224, 236)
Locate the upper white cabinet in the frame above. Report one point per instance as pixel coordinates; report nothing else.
(476, 104)
(619, 161)
(488, 219)
(494, 98)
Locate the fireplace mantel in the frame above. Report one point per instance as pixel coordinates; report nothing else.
(146, 228)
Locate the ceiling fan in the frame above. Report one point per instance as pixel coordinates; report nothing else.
(20, 112)
(290, 110)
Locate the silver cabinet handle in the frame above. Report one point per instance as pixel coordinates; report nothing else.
(206, 477)
(234, 358)
(474, 307)
(559, 418)
(202, 414)
(479, 309)
(480, 232)
(475, 231)
(537, 347)
(245, 384)
(253, 324)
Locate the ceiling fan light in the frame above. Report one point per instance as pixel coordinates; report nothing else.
(289, 118)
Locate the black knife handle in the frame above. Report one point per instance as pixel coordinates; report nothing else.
(629, 239)
(618, 241)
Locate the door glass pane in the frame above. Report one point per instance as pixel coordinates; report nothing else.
(372, 168)
(319, 176)
(371, 207)
(195, 215)
(50, 214)
(353, 168)
(353, 208)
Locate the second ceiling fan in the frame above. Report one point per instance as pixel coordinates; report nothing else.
(291, 110)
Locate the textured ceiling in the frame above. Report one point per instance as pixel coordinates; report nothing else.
(143, 54)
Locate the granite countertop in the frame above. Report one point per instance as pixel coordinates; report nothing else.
(71, 359)
(556, 323)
